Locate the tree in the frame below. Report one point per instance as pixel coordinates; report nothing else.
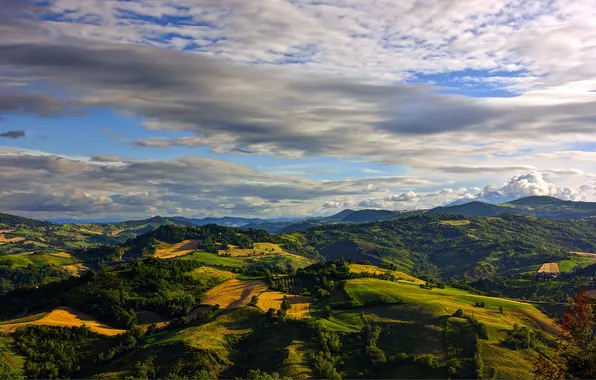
(8, 369)
(501, 309)
(254, 300)
(459, 313)
(575, 355)
(285, 304)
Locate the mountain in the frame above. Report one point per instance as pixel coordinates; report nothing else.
(228, 221)
(537, 206)
(11, 221)
(470, 209)
(340, 215)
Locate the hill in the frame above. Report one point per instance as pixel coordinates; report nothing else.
(447, 245)
(358, 325)
(538, 206)
(470, 209)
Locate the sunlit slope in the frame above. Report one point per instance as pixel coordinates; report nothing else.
(418, 318)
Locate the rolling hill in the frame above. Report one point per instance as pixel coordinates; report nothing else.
(448, 245)
(358, 325)
(539, 206)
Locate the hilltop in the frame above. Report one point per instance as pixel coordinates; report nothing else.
(539, 206)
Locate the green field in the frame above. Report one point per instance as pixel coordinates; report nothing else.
(242, 261)
(25, 259)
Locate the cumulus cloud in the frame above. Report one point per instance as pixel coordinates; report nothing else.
(13, 134)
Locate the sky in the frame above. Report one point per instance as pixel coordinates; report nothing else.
(269, 108)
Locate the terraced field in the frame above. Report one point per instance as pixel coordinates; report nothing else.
(62, 316)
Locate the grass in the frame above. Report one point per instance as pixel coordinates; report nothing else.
(423, 312)
(574, 262)
(211, 275)
(213, 259)
(278, 259)
(215, 335)
(455, 223)
(23, 260)
(62, 316)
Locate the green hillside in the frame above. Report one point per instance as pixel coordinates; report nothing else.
(451, 245)
(360, 326)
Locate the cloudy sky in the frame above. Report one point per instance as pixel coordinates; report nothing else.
(290, 107)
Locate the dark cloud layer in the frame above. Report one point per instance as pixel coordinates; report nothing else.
(17, 134)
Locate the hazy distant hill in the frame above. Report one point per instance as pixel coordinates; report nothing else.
(538, 206)
(470, 209)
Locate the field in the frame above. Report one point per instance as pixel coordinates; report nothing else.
(180, 249)
(278, 259)
(211, 275)
(234, 293)
(62, 316)
(549, 268)
(585, 254)
(454, 223)
(418, 319)
(272, 299)
(213, 259)
(26, 259)
(258, 249)
(76, 270)
(361, 268)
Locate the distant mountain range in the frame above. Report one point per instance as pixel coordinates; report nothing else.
(111, 232)
(537, 206)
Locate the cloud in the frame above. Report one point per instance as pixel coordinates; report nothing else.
(17, 134)
(38, 182)
(248, 103)
(331, 204)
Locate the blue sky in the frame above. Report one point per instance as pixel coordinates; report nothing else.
(291, 108)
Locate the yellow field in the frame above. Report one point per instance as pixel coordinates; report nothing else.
(234, 293)
(361, 268)
(454, 222)
(258, 249)
(65, 255)
(65, 316)
(90, 232)
(116, 232)
(179, 249)
(5, 240)
(209, 274)
(549, 268)
(585, 254)
(272, 299)
(76, 270)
